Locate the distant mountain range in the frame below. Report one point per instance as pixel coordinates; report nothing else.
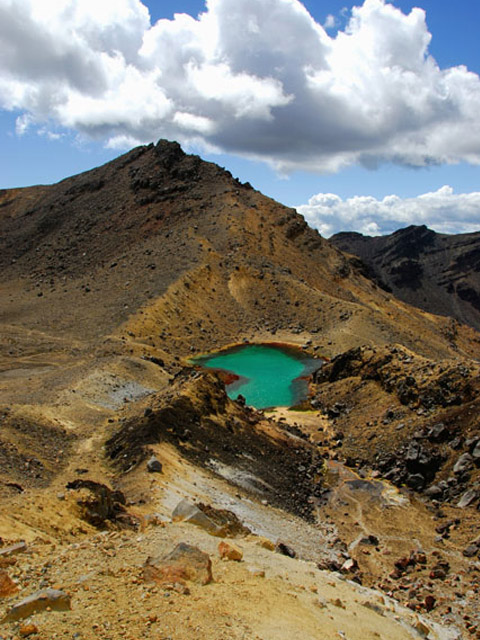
(436, 272)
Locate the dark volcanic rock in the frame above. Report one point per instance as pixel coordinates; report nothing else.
(463, 464)
(280, 469)
(154, 465)
(97, 502)
(407, 437)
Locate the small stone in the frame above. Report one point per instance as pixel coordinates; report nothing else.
(438, 433)
(415, 481)
(154, 465)
(26, 630)
(13, 549)
(265, 543)
(285, 550)
(349, 566)
(257, 572)
(338, 603)
(7, 585)
(434, 491)
(429, 602)
(418, 557)
(320, 603)
(471, 551)
(463, 464)
(422, 628)
(438, 573)
(229, 551)
(43, 600)
(403, 563)
(373, 606)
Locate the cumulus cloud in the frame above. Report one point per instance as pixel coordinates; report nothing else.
(330, 22)
(443, 211)
(254, 77)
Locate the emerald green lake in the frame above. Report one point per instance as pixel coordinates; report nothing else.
(268, 376)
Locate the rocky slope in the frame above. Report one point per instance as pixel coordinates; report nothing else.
(110, 281)
(436, 272)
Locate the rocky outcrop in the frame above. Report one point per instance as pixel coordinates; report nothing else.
(98, 504)
(412, 419)
(198, 418)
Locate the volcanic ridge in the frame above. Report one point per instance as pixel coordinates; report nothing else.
(436, 272)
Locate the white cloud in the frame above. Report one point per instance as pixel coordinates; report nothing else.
(255, 77)
(330, 22)
(443, 211)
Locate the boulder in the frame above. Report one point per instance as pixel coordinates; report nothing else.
(185, 562)
(187, 512)
(467, 498)
(53, 599)
(415, 481)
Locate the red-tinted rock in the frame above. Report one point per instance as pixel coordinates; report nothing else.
(229, 551)
(26, 630)
(7, 585)
(185, 562)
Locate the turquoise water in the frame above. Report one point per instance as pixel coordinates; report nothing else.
(268, 374)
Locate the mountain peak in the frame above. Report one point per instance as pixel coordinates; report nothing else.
(436, 272)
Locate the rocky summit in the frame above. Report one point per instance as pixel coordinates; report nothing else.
(139, 501)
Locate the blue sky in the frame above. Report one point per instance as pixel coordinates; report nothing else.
(321, 125)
